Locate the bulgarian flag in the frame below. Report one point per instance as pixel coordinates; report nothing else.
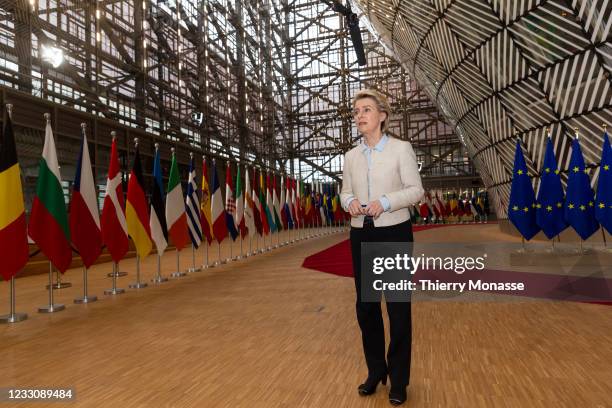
(84, 217)
(48, 225)
(175, 208)
(13, 231)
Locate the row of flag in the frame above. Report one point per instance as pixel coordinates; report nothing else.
(168, 216)
(258, 207)
(553, 210)
(436, 207)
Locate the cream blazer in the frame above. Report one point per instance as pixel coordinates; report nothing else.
(394, 174)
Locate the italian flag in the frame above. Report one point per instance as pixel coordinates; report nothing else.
(48, 226)
(176, 219)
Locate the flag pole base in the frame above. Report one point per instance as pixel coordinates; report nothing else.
(57, 307)
(85, 299)
(138, 285)
(116, 274)
(159, 279)
(13, 318)
(115, 291)
(178, 274)
(60, 285)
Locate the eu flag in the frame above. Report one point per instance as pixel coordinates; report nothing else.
(549, 208)
(579, 201)
(522, 206)
(603, 203)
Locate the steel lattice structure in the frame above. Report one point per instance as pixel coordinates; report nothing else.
(271, 81)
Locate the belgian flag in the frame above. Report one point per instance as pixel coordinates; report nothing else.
(13, 231)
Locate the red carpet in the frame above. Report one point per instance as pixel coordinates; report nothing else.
(592, 289)
(337, 259)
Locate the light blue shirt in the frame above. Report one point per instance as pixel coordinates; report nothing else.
(367, 151)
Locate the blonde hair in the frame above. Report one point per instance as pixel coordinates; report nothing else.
(381, 103)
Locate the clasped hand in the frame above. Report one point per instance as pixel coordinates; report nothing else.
(373, 209)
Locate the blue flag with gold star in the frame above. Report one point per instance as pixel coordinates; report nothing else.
(522, 206)
(579, 206)
(603, 203)
(549, 208)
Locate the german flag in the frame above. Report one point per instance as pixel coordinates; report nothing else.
(13, 231)
(136, 212)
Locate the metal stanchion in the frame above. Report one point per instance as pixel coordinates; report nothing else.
(158, 278)
(241, 253)
(231, 258)
(177, 273)
(219, 261)
(115, 274)
(85, 298)
(207, 265)
(51, 307)
(58, 282)
(138, 284)
(193, 265)
(13, 317)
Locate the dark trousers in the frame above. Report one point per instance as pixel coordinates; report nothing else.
(369, 314)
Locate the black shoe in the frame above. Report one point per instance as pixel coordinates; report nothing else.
(398, 396)
(369, 386)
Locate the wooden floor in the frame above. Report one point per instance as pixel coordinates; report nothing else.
(264, 332)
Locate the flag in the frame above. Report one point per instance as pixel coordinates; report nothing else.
(176, 219)
(294, 217)
(84, 217)
(192, 207)
(297, 202)
(240, 220)
(603, 206)
(269, 205)
(549, 207)
(157, 218)
(282, 204)
(249, 210)
(13, 230)
(263, 212)
(136, 213)
(276, 206)
(521, 209)
(308, 209)
(217, 208)
(206, 220)
(579, 208)
(287, 205)
(230, 204)
(114, 226)
(48, 225)
(256, 206)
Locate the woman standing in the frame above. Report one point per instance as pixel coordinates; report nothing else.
(380, 180)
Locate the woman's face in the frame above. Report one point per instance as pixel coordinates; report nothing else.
(367, 116)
